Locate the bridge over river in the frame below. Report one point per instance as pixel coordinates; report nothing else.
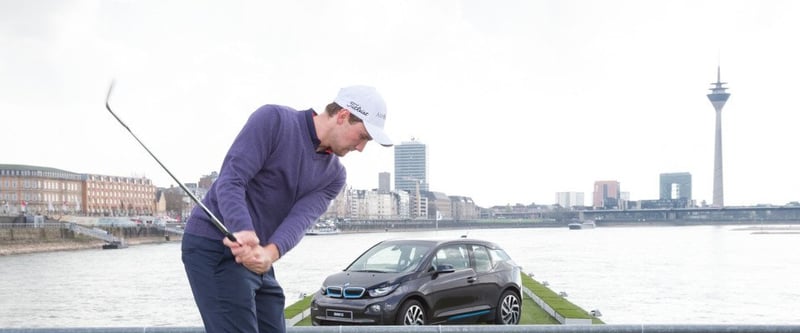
(699, 215)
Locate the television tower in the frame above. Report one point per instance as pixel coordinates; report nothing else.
(718, 97)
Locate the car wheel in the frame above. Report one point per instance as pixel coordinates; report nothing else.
(412, 313)
(508, 309)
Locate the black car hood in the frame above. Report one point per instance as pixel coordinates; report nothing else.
(363, 279)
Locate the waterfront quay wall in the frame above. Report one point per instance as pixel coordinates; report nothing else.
(61, 231)
(19, 236)
(31, 234)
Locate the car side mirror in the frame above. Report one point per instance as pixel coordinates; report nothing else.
(445, 268)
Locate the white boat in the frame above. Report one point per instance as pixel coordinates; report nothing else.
(323, 228)
(587, 224)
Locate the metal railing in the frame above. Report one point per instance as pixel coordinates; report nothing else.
(449, 329)
(24, 225)
(167, 228)
(94, 232)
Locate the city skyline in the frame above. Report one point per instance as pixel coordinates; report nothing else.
(45, 186)
(515, 100)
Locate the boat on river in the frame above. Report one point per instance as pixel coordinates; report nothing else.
(323, 228)
(586, 224)
(116, 244)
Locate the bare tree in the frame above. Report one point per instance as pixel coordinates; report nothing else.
(173, 197)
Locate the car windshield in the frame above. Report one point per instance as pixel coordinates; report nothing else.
(390, 258)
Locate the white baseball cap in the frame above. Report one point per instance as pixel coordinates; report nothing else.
(367, 104)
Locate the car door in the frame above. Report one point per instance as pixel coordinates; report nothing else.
(450, 293)
(487, 282)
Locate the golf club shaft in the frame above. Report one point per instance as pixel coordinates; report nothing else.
(208, 212)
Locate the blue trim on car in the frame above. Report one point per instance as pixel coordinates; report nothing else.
(466, 315)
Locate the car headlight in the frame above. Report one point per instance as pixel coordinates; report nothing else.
(382, 291)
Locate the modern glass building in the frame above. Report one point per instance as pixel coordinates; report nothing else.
(411, 166)
(675, 186)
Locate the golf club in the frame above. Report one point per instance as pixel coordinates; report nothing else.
(214, 219)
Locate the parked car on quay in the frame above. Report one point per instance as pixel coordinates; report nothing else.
(423, 282)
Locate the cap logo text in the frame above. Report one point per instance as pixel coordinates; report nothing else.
(355, 107)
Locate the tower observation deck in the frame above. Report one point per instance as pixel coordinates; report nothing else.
(718, 97)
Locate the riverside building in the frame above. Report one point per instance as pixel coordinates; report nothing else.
(569, 200)
(606, 194)
(34, 189)
(675, 186)
(45, 190)
(119, 196)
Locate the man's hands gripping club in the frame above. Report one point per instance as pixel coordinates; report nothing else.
(250, 253)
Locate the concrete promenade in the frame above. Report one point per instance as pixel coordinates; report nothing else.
(450, 329)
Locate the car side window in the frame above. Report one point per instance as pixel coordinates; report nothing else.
(483, 262)
(499, 255)
(455, 255)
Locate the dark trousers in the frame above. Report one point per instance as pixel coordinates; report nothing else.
(230, 297)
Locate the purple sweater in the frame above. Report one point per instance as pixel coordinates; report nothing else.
(272, 180)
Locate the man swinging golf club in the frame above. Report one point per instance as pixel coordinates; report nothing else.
(278, 177)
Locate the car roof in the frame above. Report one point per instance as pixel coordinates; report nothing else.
(438, 242)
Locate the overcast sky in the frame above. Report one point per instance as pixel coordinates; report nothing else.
(516, 100)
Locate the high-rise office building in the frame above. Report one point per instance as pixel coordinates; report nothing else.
(411, 166)
(718, 97)
(606, 194)
(675, 186)
(569, 199)
(383, 182)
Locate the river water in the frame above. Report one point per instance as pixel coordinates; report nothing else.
(632, 275)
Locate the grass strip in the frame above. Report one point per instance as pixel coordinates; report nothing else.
(560, 304)
(298, 307)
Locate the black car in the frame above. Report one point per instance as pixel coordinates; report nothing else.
(421, 282)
